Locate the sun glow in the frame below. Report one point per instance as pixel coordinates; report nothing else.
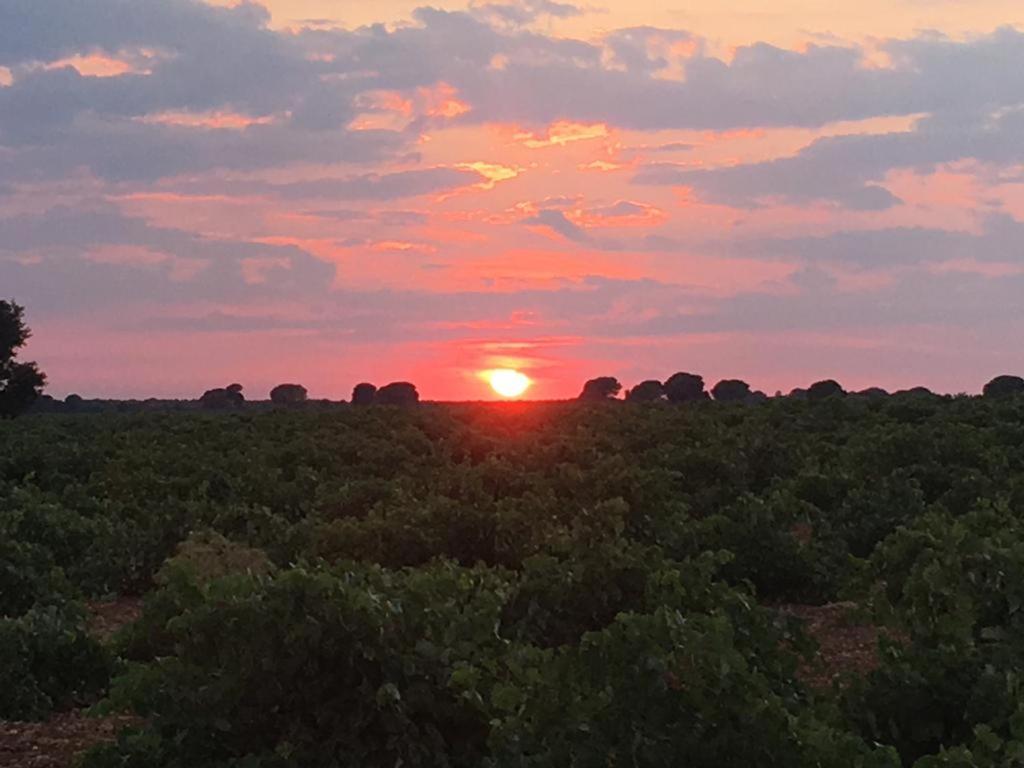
(509, 383)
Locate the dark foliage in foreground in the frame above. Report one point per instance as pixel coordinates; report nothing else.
(519, 585)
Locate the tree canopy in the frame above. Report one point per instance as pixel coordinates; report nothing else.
(685, 388)
(821, 390)
(601, 388)
(731, 391)
(648, 391)
(1004, 386)
(21, 383)
(288, 394)
(363, 394)
(397, 393)
(224, 397)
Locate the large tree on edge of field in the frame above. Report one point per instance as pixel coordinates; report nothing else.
(21, 383)
(288, 394)
(1004, 386)
(601, 388)
(685, 388)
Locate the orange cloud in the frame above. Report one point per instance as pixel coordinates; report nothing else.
(561, 133)
(442, 100)
(493, 173)
(96, 66)
(624, 213)
(385, 101)
(600, 165)
(206, 120)
(402, 246)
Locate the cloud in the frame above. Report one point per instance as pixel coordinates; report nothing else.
(47, 263)
(999, 241)
(849, 170)
(526, 11)
(373, 186)
(557, 222)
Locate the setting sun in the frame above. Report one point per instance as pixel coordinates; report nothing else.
(509, 383)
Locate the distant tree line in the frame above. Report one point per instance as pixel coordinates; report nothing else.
(690, 388)
(21, 386)
(395, 393)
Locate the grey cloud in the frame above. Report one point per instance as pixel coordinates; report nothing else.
(129, 151)
(63, 281)
(30, 30)
(849, 169)
(968, 301)
(527, 11)
(388, 186)
(557, 222)
(1001, 240)
(228, 59)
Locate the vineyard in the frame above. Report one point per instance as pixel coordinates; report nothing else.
(522, 585)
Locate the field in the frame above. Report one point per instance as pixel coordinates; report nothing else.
(796, 584)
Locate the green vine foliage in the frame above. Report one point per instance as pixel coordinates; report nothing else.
(516, 586)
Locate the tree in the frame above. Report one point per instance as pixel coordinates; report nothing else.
(873, 393)
(1004, 386)
(685, 388)
(226, 397)
(731, 391)
(363, 394)
(821, 390)
(601, 388)
(397, 393)
(646, 392)
(915, 392)
(288, 394)
(21, 383)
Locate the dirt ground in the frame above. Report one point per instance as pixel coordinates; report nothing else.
(58, 742)
(846, 644)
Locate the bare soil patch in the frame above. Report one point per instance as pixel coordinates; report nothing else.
(846, 645)
(59, 741)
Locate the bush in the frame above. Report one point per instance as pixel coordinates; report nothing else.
(48, 662)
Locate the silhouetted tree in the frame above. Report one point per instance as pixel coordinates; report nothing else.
(821, 390)
(646, 392)
(73, 402)
(1004, 386)
(798, 394)
(397, 393)
(757, 396)
(226, 397)
(914, 392)
(685, 388)
(731, 391)
(601, 388)
(21, 384)
(288, 394)
(873, 393)
(363, 394)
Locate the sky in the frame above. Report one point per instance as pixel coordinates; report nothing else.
(327, 192)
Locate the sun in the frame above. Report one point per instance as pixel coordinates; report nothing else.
(509, 383)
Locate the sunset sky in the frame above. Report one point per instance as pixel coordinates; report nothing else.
(328, 192)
